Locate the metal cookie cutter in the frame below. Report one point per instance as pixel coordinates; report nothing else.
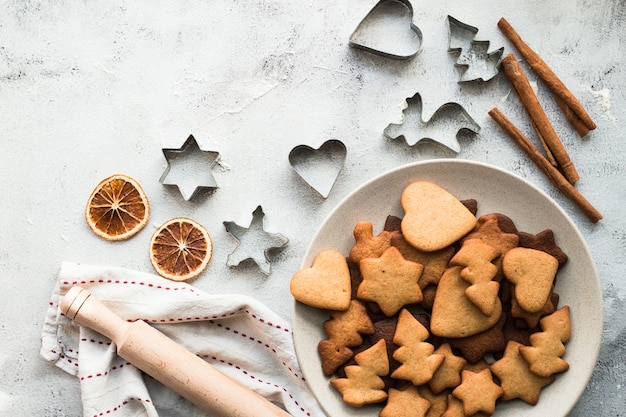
(442, 127)
(474, 57)
(388, 30)
(319, 167)
(254, 242)
(189, 169)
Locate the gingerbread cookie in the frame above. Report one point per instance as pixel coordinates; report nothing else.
(475, 347)
(391, 281)
(532, 272)
(366, 244)
(453, 314)
(547, 347)
(448, 375)
(363, 383)
(333, 356)
(326, 284)
(478, 392)
(434, 262)
(516, 378)
(543, 241)
(392, 224)
(476, 256)
(471, 204)
(346, 327)
(417, 357)
(344, 330)
(532, 319)
(434, 218)
(489, 231)
(401, 400)
(438, 402)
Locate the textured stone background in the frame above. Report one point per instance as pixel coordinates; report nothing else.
(88, 89)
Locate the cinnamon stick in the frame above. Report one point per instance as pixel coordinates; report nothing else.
(544, 165)
(573, 109)
(541, 123)
(571, 117)
(545, 147)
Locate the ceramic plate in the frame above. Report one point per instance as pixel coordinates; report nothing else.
(496, 191)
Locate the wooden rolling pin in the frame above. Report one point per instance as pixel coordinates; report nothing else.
(167, 361)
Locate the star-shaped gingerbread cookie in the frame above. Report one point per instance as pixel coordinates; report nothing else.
(448, 375)
(478, 392)
(515, 376)
(401, 400)
(544, 241)
(435, 263)
(391, 281)
(254, 242)
(488, 229)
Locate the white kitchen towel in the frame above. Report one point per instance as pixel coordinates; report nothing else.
(235, 333)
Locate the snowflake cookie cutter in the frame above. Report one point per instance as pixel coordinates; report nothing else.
(254, 242)
(474, 58)
(442, 127)
(189, 169)
(319, 167)
(388, 30)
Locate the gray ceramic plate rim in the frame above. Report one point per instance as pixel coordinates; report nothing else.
(496, 190)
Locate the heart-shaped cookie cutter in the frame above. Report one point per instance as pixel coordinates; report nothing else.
(381, 23)
(320, 167)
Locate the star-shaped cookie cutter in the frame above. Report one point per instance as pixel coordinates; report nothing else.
(254, 242)
(189, 168)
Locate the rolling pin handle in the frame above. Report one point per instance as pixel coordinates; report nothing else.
(88, 311)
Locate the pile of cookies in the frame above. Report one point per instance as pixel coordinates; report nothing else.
(441, 313)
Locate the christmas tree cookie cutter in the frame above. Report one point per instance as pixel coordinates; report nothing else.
(189, 169)
(474, 58)
(388, 30)
(319, 167)
(254, 242)
(442, 127)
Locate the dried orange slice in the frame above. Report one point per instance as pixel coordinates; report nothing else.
(180, 249)
(117, 208)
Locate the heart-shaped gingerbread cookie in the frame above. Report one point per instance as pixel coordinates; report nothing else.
(453, 314)
(433, 218)
(532, 272)
(326, 284)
